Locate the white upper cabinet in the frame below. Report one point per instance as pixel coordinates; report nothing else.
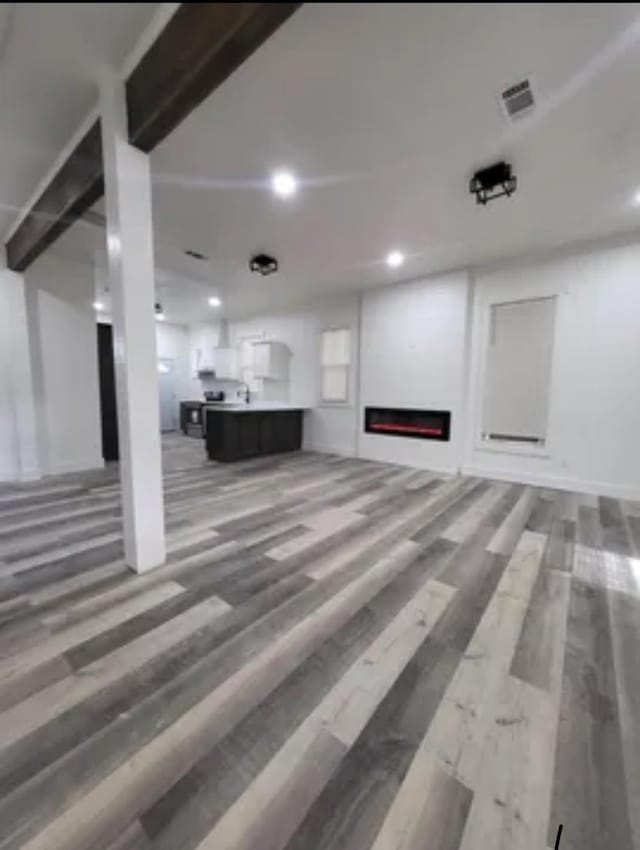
(271, 361)
(206, 360)
(226, 365)
(202, 360)
(219, 363)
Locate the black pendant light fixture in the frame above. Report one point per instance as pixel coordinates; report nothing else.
(493, 182)
(263, 264)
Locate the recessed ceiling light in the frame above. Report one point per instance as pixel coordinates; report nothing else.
(636, 198)
(214, 301)
(98, 305)
(284, 184)
(160, 317)
(395, 259)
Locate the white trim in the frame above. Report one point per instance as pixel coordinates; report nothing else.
(32, 473)
(342, 451)
(513, 447)
(557, 482)
(26, 475)
(336, 405)
(357, 378)
(466, 424)
(451, 471)
(485, 303)
(484, 298)
(79, 465)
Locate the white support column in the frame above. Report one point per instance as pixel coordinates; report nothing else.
(131, 274)
(19, 456)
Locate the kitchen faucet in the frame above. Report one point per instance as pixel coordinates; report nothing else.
(247, 395)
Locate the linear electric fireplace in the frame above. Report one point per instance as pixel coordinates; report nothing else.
(402, 422)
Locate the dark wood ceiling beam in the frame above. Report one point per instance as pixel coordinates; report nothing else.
(201, 45)
(73, 190)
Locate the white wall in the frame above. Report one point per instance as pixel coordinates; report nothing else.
(173, 344)
(330, 428)
(19, 456)
(63, 330)
(423, 344)
(412, 354)
(594, 412)
(8, 454)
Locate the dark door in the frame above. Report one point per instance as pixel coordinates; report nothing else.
(107, 380)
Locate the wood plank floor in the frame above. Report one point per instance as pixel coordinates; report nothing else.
(338, 654)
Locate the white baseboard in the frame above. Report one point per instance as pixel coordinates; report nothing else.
(422, 467)
(23, 477)
(75, 465)
(32, 474)
(556, 482)
(343, 451)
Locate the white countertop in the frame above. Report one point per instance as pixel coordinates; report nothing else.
(253, 407)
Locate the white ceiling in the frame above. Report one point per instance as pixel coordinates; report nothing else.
(384, 111)
(50, 57)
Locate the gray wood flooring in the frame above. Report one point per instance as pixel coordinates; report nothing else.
(338, 654)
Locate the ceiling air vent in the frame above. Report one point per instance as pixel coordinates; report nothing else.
(196, 255)
(517, 100)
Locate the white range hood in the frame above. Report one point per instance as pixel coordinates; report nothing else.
(223, 336)
(221, 361)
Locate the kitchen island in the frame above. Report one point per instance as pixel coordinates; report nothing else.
(241, 431)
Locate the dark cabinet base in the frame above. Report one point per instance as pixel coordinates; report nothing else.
(243, 435)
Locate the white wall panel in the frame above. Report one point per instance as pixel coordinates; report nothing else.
(413, 355)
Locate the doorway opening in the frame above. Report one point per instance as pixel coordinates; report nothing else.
(167, 395)
(107, 390)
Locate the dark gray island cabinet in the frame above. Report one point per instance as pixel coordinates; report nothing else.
(238, 433)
